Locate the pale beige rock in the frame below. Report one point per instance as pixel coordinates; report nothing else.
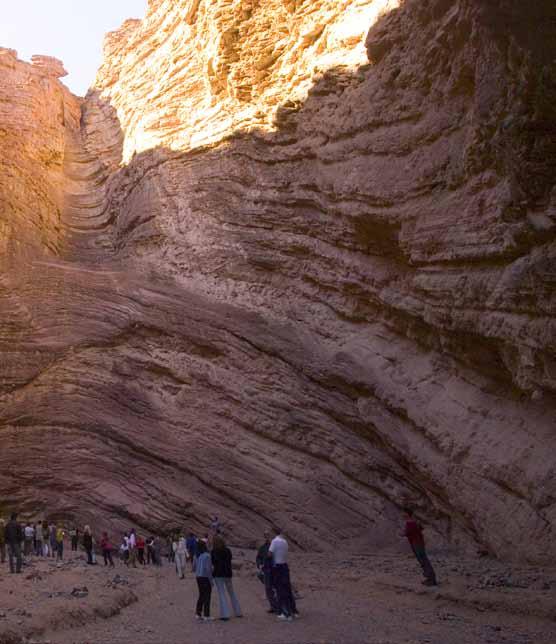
(304, 274)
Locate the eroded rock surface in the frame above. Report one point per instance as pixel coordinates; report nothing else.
(304, 271)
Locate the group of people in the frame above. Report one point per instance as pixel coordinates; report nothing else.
(210, 559)
(40, 539)
(135, 549)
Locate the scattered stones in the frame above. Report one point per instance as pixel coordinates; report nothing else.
(80, 592)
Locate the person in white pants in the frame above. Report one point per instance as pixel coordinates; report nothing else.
(222, 572)
(180, 552)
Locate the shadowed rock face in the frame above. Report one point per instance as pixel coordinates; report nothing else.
(296, 263)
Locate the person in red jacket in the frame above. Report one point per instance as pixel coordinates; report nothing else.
(414, 534)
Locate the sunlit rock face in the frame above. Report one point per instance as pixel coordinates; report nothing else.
(35, 113)
(305, 274)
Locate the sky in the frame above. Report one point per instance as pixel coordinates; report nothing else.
(72, 30)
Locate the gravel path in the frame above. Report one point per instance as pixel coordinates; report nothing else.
(358, 600)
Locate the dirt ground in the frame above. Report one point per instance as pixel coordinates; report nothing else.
(351, 599)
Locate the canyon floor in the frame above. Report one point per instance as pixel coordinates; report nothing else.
(346, 599)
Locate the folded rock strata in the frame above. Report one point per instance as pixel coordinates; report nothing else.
(287, 262)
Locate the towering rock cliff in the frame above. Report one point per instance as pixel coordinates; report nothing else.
(295, 262)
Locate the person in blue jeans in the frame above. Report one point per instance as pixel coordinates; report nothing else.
(278, 550)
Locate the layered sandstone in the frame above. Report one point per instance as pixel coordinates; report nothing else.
(305, 273)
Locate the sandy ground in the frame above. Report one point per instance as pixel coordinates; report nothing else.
(353, 599)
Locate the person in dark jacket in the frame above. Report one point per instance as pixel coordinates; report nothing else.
(14, 537)
(222, 572)
(414, 534)
(88, 544)
(264, 567)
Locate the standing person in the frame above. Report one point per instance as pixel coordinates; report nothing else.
(60, 534)
(2, 541)
(203, 574)
(52, 539)
(88, 544)
(45, 538)
(150, 550)
(170, 548)
(74, 536)
(29, 534)
(157, 551)
(414, 534)
(264, 566)
(221, 557)
(278, 550)
(132, 542)
(191, 545)
(124, 550)
(39, 540)
(215, 526)
(141, 550)
(180, 555)
(14, 537)
(106, 548)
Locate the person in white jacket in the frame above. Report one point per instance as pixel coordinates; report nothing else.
(180, 554)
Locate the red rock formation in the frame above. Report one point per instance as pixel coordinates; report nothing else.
(301, 279)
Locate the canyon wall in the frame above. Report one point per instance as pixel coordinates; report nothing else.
(295, 262)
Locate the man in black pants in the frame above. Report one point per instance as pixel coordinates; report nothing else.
(414, 534)
(14, 537)
(264, 566)
(278, 551)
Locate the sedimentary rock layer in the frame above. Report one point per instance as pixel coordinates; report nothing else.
(306, 275)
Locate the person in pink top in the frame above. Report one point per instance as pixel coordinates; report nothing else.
(106, 548)
(414, 534)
